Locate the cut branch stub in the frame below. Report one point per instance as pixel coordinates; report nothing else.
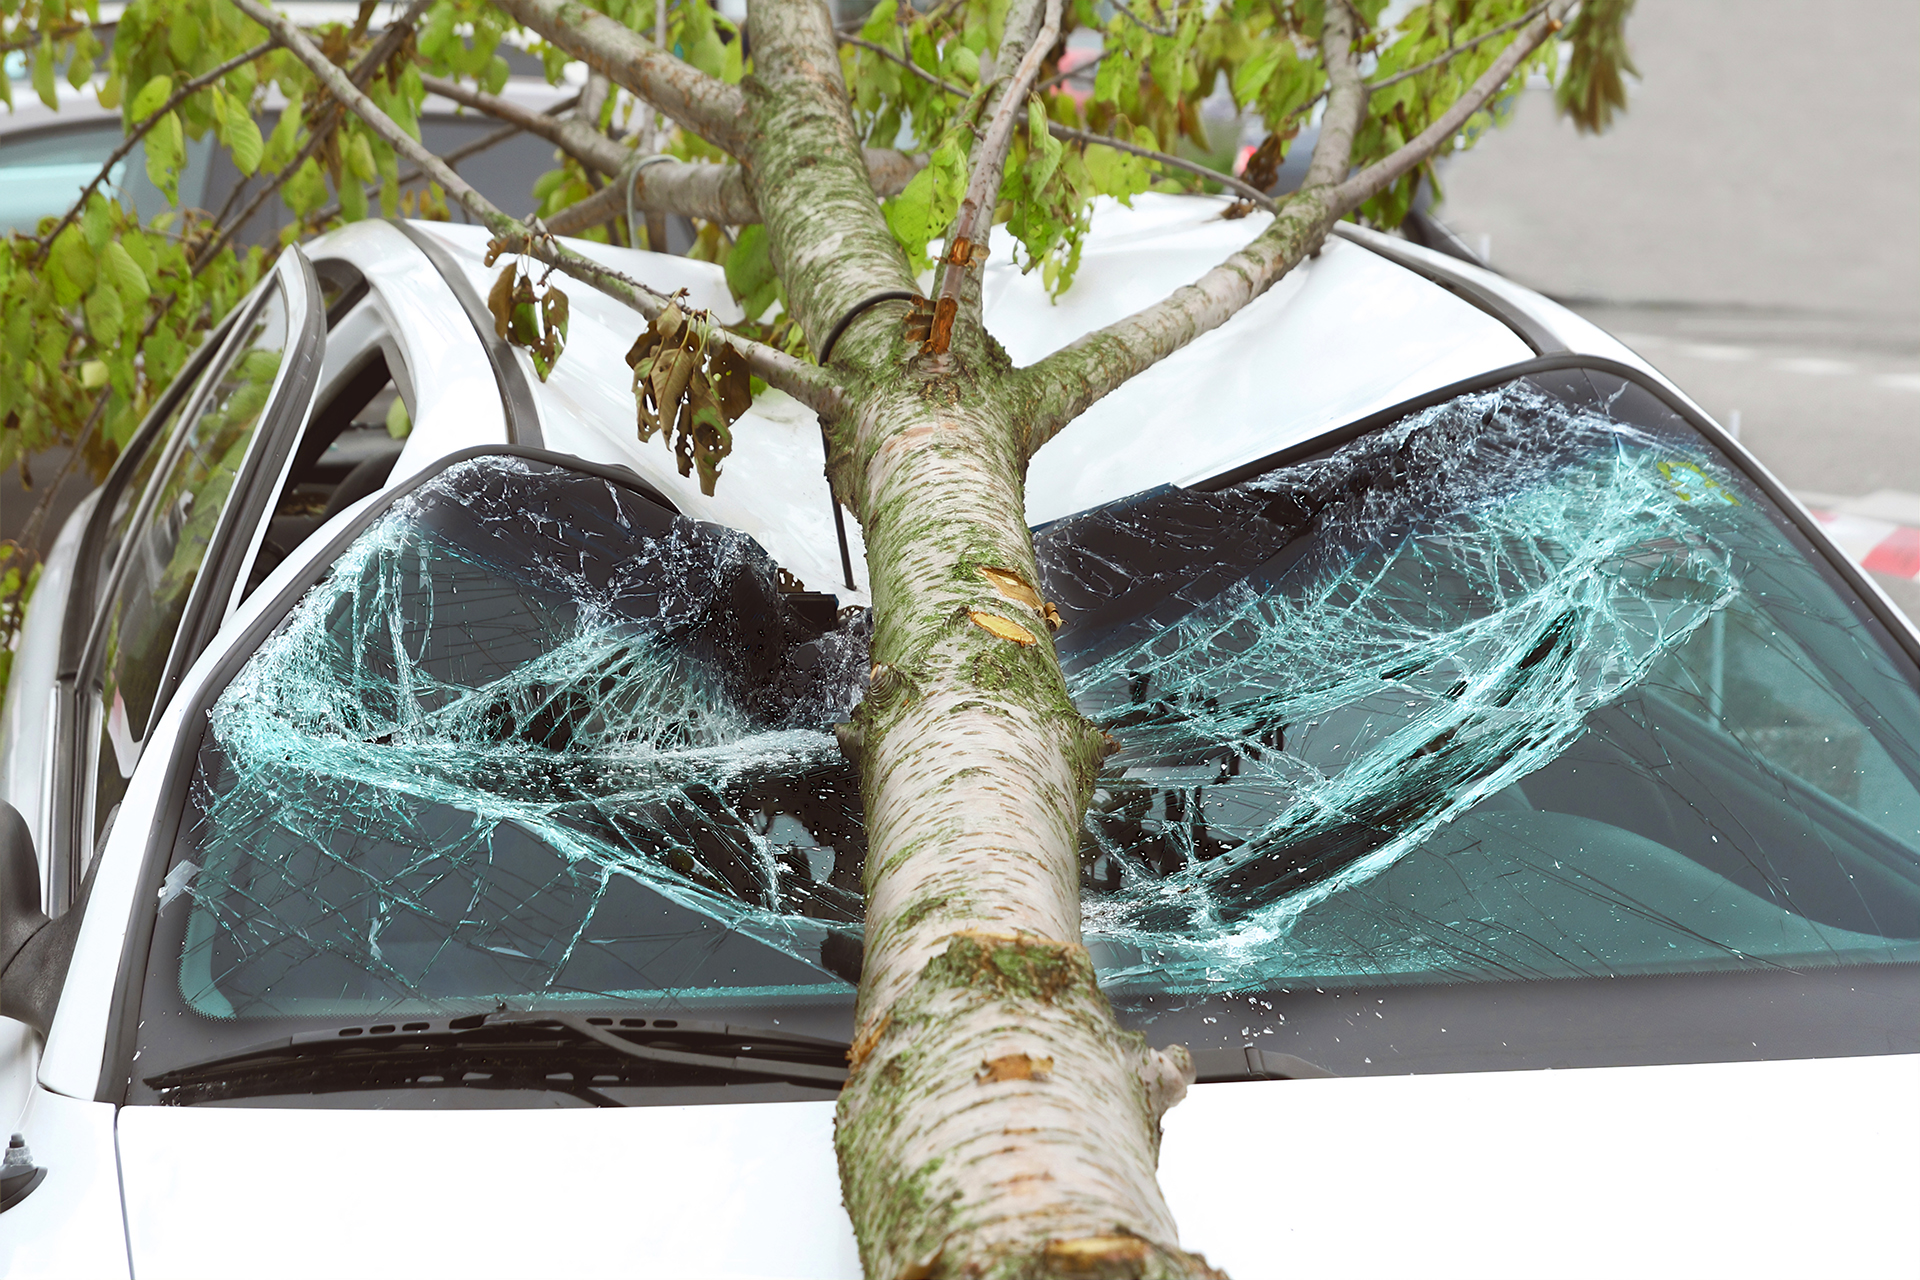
(1018, 589)
(690, 390)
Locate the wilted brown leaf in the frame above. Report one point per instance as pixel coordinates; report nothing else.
(500, 299)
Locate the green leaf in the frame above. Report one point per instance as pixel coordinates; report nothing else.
(105, 314)
(43, 74)
(71, 267)
(306, 190)
(359, 159)
(243, 137)
(96, 222)
(1252, 75)
(494, 78)
(127, 277)
(166, 150)
(353, 200)
(399, 425)
(750, 273)
(93, 374)
(1044, 157)
(148, 100)
(284, 141)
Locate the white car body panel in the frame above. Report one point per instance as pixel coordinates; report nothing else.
(71, 1226)
(1472, 1175)
(26, 727)
(1746, 1169)
(1341, 336)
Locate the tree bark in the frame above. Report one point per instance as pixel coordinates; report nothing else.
(997, 1121)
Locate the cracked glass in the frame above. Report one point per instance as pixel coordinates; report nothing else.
(1528, 685)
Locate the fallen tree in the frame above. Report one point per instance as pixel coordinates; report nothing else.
(998, 1122)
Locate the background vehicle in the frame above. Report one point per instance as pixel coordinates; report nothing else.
(1750, 1008)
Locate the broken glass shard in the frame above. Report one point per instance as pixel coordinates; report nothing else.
(1530, 683)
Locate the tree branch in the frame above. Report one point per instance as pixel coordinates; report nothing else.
(974, 220)
(1064, 384)
(377, 56)
(1164, 33)
(577, 138)
(65, 33)
(713, 109)
(1377, 177)
(710, 192)
(1376, 85)
(813, 184)
(1246, 190)
(1061, 77)
(1346, 100)
(804, 382)
(908, 63)
(142, 129)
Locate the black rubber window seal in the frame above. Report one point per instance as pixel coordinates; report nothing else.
(516, 395)
(1529, 330)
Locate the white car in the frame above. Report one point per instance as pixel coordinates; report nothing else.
(416, 768)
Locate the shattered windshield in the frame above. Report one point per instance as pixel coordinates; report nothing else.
(1529, 684)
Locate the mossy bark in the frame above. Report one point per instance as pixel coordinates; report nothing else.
(997, 1122)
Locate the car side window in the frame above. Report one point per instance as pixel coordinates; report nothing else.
(167, 541)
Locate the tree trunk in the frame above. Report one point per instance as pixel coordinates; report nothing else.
(997, 1122)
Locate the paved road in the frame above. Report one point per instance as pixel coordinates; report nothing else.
(1751, 226)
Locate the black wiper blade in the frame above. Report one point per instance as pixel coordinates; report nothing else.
(1254, 1064)
(763, 1053)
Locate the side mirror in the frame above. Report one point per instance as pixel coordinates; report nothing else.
(34, 951)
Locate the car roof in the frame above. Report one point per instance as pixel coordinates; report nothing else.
(1348, 333)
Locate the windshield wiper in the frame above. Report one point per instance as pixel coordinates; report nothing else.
(1254, 1064)
(517, 1043)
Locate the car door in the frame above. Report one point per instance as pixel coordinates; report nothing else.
(178, 545)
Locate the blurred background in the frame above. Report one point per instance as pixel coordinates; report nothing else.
(1751, 226)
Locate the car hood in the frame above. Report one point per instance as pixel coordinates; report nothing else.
(685, 1192)
(1749, 1169)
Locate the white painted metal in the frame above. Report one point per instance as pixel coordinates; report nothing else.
(24, 726)
(1753, 1170)
(71, 1227)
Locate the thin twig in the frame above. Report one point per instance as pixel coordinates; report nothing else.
(29, 539)
(15, 46)
(577, 138)
(145, 127)
(1163, 32)
(804, 382)
(452, 158)
(1062, 77)
(975, 216)
(909, 64)
(1245, 189)
(383, 49)
(1521, 21)
(1376, 177)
